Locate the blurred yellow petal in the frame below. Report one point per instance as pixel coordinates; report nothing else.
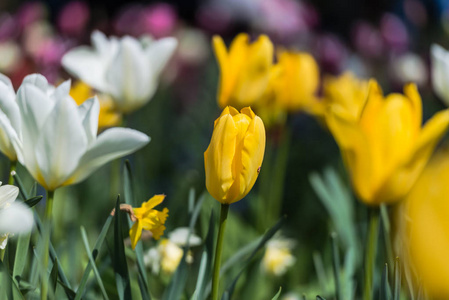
(135, 233)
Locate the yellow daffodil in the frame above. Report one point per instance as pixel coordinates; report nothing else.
(234, 156)
(347, 91)
(108, 117)
(427, 224)
(278, 256)
(149, 219)
(385, 148)
(244, 70)
(297, 84)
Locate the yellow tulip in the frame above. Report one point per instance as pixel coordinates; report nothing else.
(244, 70)
(80, 92)
(149, 219)
(297, 84)
(347, 91)
(385, 149)
(426, 215)
(235, 154)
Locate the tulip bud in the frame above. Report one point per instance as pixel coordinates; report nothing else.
(234, 156)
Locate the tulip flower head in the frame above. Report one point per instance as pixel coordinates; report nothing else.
(149, 219)
(59, 144)
(244, 70)
(126, 69)
(235, 154)
(385, 149)
(440, 72)
(15, 217)
(427, 227)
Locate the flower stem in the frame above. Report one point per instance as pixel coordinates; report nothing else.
(370, 254)
(47, 235)
(218, 249)
(12, 169)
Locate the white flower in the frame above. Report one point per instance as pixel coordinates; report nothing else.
(278, 257)
(59, 144)
(125, 68)
(440, 72)
(15, 217)
(179, 237)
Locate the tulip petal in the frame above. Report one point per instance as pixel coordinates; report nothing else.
(159, 53)
(111, 144)
(17, 218)
(38, 81)
(61, 143)
(86, 65)
(10, 144)
(8, 194)
(89, 112)
(8, 102)
(219, 158)
(403, 179)
(129, 78)
(440, 72)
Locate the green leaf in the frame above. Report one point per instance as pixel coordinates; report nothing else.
(21, 258)
(95, 251)
(92, 263)
(384, 292)
(267, 236)
(130, 199)
(53, 277)
(119, 259)
(12, 290)
(397, 279)
(318, 297)
(33, 201)
(336, 266)
(277, 294)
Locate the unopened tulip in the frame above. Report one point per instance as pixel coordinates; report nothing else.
(385, 149)
(244, 70)
(234, 156)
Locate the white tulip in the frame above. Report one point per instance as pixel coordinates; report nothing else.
(15, 217)
(440, 72)
(127, 69)
(59, 144)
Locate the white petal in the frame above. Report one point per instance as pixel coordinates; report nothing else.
(160, 52)
(111, 144)
(8, 102)
(129, 77)
(62, 90)
(8, 194)
(10, 143)
(87, 65)
(89, 111)
(440, 72)
(15, 219)
(6, 81)
(37, 80)
(61, 143)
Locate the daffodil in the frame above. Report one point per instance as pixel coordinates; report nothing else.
(10, 126)
(244, 70)
(297, 84)
(278, 256)
(385, 149)
(59, 144)
(108, 117)
(125, 68)
(15, 217)
(426, 220)
(440, 72)
(346, 91)
(234, 156)
(149, 219)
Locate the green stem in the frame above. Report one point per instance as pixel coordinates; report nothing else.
(218, 249)
(370, 254)
(2, 254)
(12, 169)
(47, 235)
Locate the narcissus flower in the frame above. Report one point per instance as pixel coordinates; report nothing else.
(108, 117)
(244, 70)
(440, 72)
(234, 156)
(426, 212)
(385, 149)
(297, 84)
(59, 144)
(15, 217)
(149, 219)
(346, 91)
(127, 69)
(278, 256)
